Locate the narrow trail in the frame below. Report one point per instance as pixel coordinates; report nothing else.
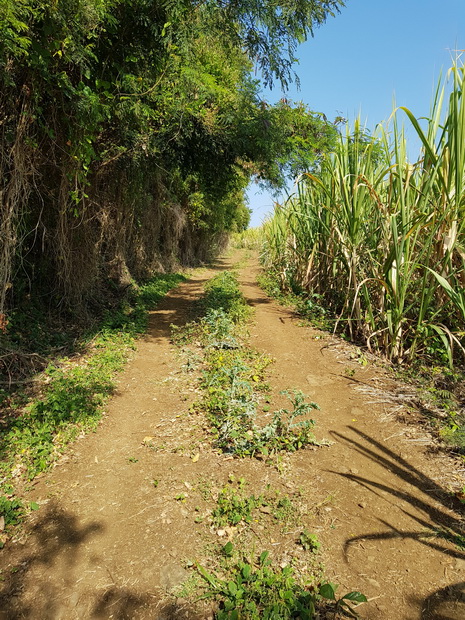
(112, 536)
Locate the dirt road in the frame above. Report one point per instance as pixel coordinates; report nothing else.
(117, 524)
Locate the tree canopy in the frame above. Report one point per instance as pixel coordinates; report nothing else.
(130, 129)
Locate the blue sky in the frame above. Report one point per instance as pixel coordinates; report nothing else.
(373, 51)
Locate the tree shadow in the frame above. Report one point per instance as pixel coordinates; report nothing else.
(120, 604)
(445, 604)
(39, 578)
(49, 535)
(437, 527)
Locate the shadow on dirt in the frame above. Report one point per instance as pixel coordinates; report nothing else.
(55, 541)
(179, 306)
(123, 604)
(51, 534)
(445, 604)
(437, 527)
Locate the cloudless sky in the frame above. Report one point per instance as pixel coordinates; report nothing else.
(372, 51)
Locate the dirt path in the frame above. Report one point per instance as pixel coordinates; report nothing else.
(116, 522)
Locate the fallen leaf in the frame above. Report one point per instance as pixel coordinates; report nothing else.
(196, 457)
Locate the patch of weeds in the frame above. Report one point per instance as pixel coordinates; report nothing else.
(204, 487)
(71, 402)
(457, 539)
(233, 381)
(284, 510)
(188, 588)
(440, 398)
(222, 292)
(358, 355)
(308, 541)
(311, 306)
(271, 285)
(233, 506)
(253, 588)
(12, 512)
(238, 434)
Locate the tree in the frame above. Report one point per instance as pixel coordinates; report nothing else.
(130, 129)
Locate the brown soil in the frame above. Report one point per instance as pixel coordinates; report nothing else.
(109, 542)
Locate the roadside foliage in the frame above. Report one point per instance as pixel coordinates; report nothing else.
(130, 130)
(377, 240)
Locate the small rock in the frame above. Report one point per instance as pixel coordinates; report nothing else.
(221, 533)
(373, 582)
(172, 576)
(362, 504)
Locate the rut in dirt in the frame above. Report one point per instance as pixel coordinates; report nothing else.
(111, 539)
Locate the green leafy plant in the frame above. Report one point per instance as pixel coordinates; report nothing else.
(255, 589)
(309, 541)
(343, 604)
(234, 376)
(234, 506)
(12, 510)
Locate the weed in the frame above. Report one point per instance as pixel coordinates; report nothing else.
(233, 506)
(255, 589)
(309, 541)
(222, 292)
(457, 539)
(284, 510)
(233, 378)
(12, 510)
